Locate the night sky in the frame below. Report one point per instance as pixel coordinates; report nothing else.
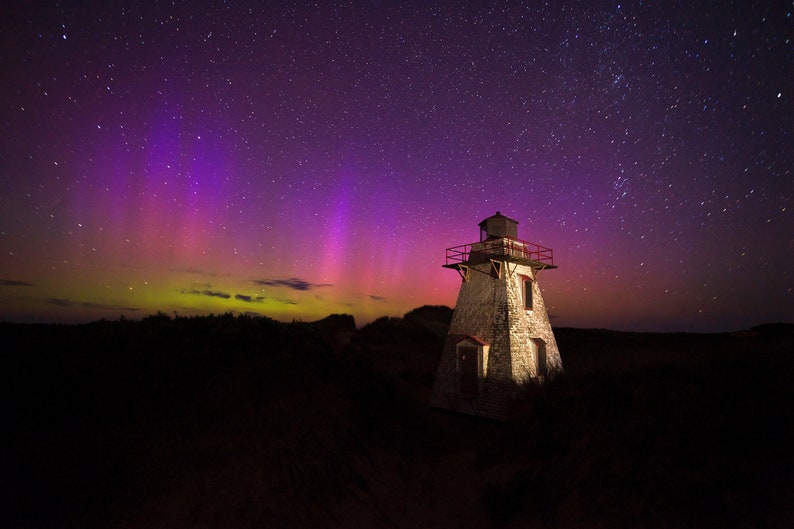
(299, 160)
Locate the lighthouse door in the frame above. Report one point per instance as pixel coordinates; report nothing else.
(467, 365)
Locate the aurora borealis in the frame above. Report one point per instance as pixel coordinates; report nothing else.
(300, 159)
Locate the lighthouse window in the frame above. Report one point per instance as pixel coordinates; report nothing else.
(540, 357)
(528, 294)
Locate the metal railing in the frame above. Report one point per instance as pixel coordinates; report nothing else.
(496, 248)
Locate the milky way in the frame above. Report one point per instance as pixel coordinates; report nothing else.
(295, 160)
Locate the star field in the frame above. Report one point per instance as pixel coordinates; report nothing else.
(296, 160)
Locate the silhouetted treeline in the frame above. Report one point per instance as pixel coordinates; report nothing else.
(243, 421)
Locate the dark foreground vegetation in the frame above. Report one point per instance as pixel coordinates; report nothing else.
(231, 421)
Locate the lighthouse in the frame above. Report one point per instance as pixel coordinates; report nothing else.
(500, 335)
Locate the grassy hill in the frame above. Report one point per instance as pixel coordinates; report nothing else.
(227, 421)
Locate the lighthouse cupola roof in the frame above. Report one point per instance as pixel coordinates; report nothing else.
(498, 226)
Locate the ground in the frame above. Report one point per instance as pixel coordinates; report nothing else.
(231, 421)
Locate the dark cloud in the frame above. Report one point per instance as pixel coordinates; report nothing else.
(373, 297)
(211, 293)
(88, 305)
(249, 299)
(295, 283)
(216, 294)
(287, 302)
(14, 283)
(60, 302)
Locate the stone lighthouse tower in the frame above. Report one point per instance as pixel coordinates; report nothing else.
(500, 334)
